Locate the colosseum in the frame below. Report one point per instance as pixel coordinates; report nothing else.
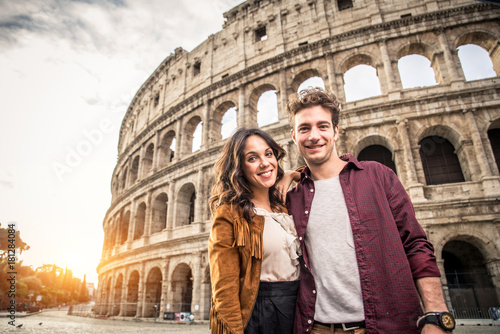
(441, 137)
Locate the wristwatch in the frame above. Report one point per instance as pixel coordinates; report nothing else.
(441, 319)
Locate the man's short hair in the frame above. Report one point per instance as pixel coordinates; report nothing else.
(312, 97)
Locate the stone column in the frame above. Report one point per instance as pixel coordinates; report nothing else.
(450, 64)
(197, 280)
(198, 206)
(393, 84)
(148, 217)
(283, 96)
(330, 84)
(415, 189)
(241, 107)
(171, 206)
(164, 288)
(141, 295)
(206, 126)
(156, 152)
(178, 141)
(131, 225)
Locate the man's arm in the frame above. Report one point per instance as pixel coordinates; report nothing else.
(431, 293)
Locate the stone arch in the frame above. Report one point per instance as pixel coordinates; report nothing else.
(152, 297)
(253, 101)
(134, 170)
(185, 203)
(471, 290)
(188, 134)
(305, 75)
(166, 150)
(147, 161)
(217, 128)
(410, 52)
(124, 226)
(117, 299)
(132, 294)
(182, 288)
(370, 86)
(485, 40)
(140, 221)
(159, 214)
(376, 148)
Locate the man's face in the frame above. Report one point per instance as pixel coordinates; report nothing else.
(315, 135)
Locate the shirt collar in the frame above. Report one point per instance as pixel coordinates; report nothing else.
(352, 162)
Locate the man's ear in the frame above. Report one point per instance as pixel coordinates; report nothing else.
(335, 132)
(292, 133)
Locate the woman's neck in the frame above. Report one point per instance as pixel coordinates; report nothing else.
(261, 200)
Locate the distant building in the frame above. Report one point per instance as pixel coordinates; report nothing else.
(91, 290)
(443, 140)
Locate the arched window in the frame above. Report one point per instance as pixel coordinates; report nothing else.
(124, 227)
(494, 137)
(182, 288)
(416, 71)
(148, 159)
(267, 108)
(152, 296)
(471, 290)
(439, 161)
(124, 179)
(140, 219)
(361, 82)
(160, 207)
(191, 208)
(476, 62)
(134, 170)
(312, 82)
(377, 153)
(166, 149)
(132, 295)
(197, 137)
(185, 204)
(229, 123)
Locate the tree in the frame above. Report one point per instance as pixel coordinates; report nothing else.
(9, 236)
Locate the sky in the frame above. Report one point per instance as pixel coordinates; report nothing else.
(68, 72)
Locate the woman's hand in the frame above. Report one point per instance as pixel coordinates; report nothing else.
(286, 180)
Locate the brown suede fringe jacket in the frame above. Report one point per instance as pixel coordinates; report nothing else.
(235, 252)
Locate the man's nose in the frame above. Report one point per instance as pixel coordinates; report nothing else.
(314, 134)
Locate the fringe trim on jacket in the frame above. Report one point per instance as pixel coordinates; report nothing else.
(241, 230)
(217, 326)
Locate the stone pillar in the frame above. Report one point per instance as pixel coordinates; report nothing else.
(123, 299)
(148, 217)
(450, 64)
(206, 126)
(392, 83)
(283, 96)
(141, 295)
(197, 280)
(131, 225)
(171, 206)
(178, 141)
(241, 107)
(330, 84)
(164, 287)
(415, 189)
(198, 206)
(156, 152)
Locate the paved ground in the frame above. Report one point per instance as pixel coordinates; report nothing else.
(58, 322)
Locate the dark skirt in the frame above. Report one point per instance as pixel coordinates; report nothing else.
(274, 309)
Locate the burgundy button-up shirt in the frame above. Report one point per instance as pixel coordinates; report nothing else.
(391, 247)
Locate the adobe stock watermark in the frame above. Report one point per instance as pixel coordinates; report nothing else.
(75, 155)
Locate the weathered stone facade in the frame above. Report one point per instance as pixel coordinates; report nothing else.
(154, 257)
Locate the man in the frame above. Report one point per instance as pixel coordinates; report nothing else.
(365, 257)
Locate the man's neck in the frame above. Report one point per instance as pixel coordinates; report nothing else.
(327, 170)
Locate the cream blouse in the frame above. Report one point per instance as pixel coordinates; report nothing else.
(280, 249)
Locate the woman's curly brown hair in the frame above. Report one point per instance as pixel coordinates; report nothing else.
(230, 186)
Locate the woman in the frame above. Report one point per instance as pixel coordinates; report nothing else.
(253, 246)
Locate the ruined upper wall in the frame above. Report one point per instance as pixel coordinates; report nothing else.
(284, 26)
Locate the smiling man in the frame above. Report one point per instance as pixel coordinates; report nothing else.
(366, 258)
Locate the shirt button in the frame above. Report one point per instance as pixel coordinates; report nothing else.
(305, 265)
(314, 291)
(312, 190)
(307, 212)
(309, 321)
(300, 238)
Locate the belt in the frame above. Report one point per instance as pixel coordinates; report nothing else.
(348, 326)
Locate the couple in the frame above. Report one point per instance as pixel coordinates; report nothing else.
(362, 256)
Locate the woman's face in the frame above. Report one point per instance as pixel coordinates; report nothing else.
(260, 166)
